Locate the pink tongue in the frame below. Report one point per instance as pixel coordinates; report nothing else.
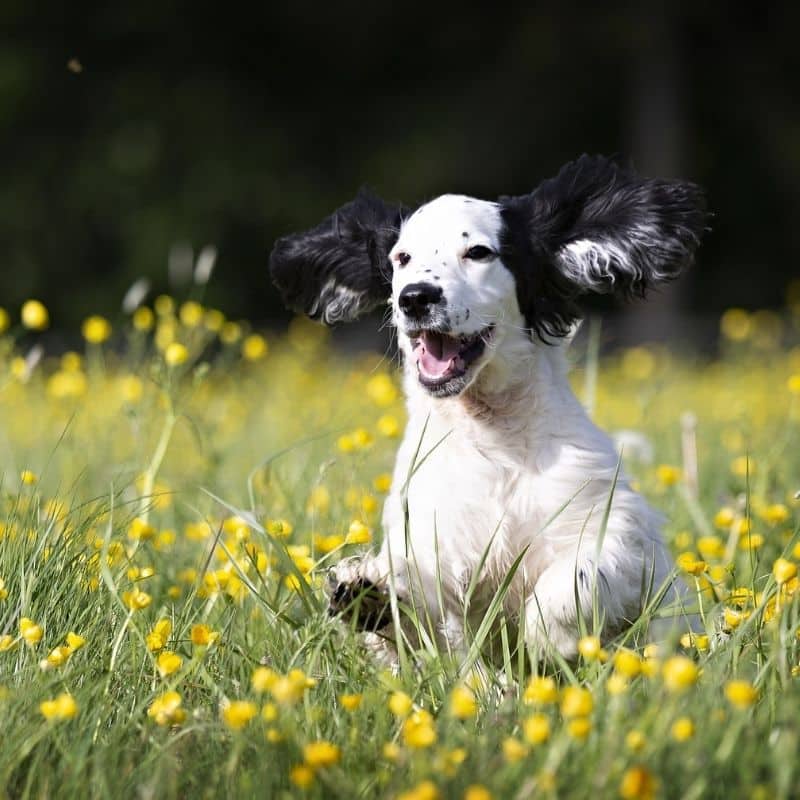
(436, 353)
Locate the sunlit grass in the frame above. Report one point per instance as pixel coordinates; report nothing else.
(172, 496)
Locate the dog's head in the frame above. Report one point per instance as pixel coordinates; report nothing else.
(466, 276)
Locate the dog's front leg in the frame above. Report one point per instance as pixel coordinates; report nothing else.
(359, 589)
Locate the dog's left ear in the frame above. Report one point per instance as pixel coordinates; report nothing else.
(598, 227)
(340, 269)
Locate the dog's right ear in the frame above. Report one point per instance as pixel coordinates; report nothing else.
(340, 269)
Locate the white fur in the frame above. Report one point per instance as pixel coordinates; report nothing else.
(496, 464)
(591, 262)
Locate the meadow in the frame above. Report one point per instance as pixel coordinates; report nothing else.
(172, 495)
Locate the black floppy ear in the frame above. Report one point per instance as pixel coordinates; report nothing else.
(597, 227)
(340, 269)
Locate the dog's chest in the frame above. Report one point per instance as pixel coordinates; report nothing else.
(462, 499)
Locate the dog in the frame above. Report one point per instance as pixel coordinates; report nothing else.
(500, 470)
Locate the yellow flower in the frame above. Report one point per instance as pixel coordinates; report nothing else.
(358, 533)
(741, 526)
(75, 641)
(699, 641)
(327, 544)
(683, 540)
(280, 528)
(774, 514)
(688, 563)
(447, 762)
(61, 708)
(157, 638)
(589, 647)
(381, 389)
(783, 570)
(263, 679)
(740, 596)
(579, 728)
(711, 547)
(30, 631)
(7, 641)
(319, 500)
(191, 314)
(668, 475)
(576, 702)
(741, 694)
(391, 751)
(627, 663)
(34, 315)
(136, 599)
(400, 704)
(254, 347)
(176, 354)
(5, 320)
(743, 466)
(477, 792)
(143, 319)
(131, 388)
(168, 662)
(96, 329)
(419, 730)
(638, 783)
(382, 483)
(513, 750)
(350, 702)
(289, 689)
(635, 741)
(540, 691)
(463, 704)
(301, 776)
(56, 657)
(270, 712)
(139, 530)
(321, 754)
(422, 791)
(28, 478)
(792, 383)
(213, 320)
(3, 590)
(388, 426)
(736, 324)
(679, 673)
(203, 636)
(166, 709)
(238, 713)
(616, 684)
(734, 617)
(751, 541)
(164, 305)
(536, 729)
(638, 363)
(230, 333)
(682, 729)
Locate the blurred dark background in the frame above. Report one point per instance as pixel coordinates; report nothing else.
(128, 130)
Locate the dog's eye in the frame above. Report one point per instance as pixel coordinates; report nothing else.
(403, 259)
(478, 253)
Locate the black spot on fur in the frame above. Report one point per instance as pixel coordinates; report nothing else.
(648, 228)
(339, 269)
(363, 602)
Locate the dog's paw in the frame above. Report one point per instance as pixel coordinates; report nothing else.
(354, 597)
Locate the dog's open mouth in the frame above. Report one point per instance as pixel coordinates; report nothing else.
(443, 360)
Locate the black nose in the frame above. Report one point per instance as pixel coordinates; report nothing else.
(415, 298)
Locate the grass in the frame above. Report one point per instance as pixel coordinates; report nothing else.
(177, 510)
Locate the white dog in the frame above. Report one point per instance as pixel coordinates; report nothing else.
(499, 461)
